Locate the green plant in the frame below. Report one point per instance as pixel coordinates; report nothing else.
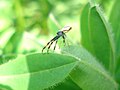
(94, 65)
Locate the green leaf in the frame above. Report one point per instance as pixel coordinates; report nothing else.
(89, 74)
(85, 34)
(44, 15)
(13, 43)
(92, 2)
(68, 84)
(114, 19)
(36, 71)
(115, 22)
(100, 39)
(19, 14)
(6, 58)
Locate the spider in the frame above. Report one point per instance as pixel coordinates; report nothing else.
(60, 33)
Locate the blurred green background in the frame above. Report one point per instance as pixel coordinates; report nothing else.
(27, 25)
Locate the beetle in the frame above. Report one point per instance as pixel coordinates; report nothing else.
(60, 33)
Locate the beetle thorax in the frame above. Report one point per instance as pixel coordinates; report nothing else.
(60, 33)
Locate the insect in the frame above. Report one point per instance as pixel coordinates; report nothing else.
(60, 33)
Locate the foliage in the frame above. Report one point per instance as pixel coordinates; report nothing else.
(26, 25)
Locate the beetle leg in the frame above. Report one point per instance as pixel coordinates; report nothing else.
(50, 43)
(46, 46)
(64, 40)
(49, 46)
(55, 44)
